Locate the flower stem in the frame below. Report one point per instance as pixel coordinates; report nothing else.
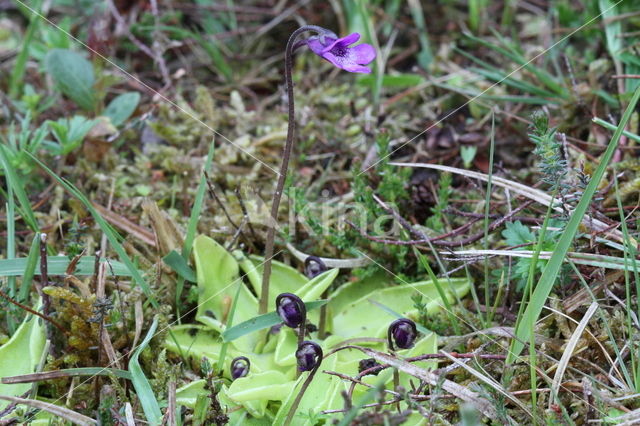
(305, 385)
(286, 155)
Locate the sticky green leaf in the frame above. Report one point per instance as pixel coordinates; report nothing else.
(20, 355)
(267, 386)
(284, 278)
(217, 271)
(360, 319)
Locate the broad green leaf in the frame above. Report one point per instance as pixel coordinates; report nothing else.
(121, 107)
(348, 292)
(143, 389)
(217, 271)
(266, 386)
(313, 289)
(20, 355)
(197, 341)
(285, 354)
(73, 76)
(187, 394)
(361, 319)
(284, 278)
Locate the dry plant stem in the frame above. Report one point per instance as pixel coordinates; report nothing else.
(322, 328)
(286, 155)
(31, 311)
(436, 241)
(46, 300)
(254, 236)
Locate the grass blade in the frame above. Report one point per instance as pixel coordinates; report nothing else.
(57, 265)
(180, 266)
(191, 230)
(17, 74)
(67, 372)
(141, 384)
(18, 185)
(30, 268)
(550, 273)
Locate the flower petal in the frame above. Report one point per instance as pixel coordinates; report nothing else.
(341, 42)
(364, 53)
(346, 62)
(316, 45)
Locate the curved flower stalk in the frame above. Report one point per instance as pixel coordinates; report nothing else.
(339, 52)
(309, 357)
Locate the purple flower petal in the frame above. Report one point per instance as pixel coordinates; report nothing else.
(348, 61)
(316, 46)
(338, 52)
(364, 52)
(342, 43)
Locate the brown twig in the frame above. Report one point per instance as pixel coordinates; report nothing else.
(437, 240)
(34, 312)
(524, 219)
(214, 195)
(243, 207)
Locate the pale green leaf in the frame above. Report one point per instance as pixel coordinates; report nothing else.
(20, 355)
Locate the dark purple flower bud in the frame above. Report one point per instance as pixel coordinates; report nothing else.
(309, 355)
(403, 333)
(291, 309)
(314, 266)
(341, 54)
(366, 364)
(240, 367)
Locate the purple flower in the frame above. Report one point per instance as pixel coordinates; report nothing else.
(338, 52)
(291, 309)
(314, 266)
(403, 332)
(308, 355)
(240, 367)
